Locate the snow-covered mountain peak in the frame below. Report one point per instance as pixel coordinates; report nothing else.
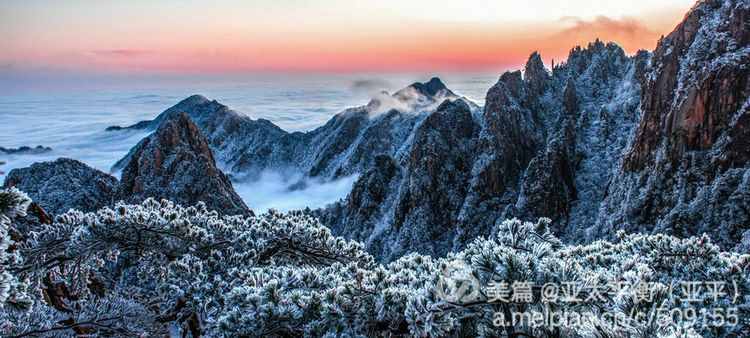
(418, 97)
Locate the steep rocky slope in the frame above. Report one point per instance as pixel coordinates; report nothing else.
(176, 163)
(411, 203)
(687, 169)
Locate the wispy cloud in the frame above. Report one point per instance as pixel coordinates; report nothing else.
(628, 32)
(121, 53)
(369, 86)
(626, 25)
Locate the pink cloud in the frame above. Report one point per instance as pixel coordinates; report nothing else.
(630, 33)
(121, 53)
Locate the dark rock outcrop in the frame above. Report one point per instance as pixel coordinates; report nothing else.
(537, 77)
(367, 203)
(25, 150)
(513, 133)
(137, 126)
(548, 187)
(570, 99)
(176, 163)
(64, 184)
(434, 87)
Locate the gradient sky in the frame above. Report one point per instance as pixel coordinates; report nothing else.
(230, 36)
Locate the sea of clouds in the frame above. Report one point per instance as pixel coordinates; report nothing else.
(71, 118)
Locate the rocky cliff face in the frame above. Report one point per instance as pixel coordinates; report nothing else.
(64, 184)
(699, 83)
(176, 163)
(687, 169)
(411, 202)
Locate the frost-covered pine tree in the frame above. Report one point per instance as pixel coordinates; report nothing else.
(13, 203)
(162, 269)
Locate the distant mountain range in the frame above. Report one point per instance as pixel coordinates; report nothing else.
(653, 142)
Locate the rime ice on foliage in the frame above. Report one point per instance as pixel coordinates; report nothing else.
(157, 267)
(13, 203)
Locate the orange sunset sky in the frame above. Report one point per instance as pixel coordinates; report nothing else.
(185, 36)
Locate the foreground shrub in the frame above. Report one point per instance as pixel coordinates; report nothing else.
(159, 268)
